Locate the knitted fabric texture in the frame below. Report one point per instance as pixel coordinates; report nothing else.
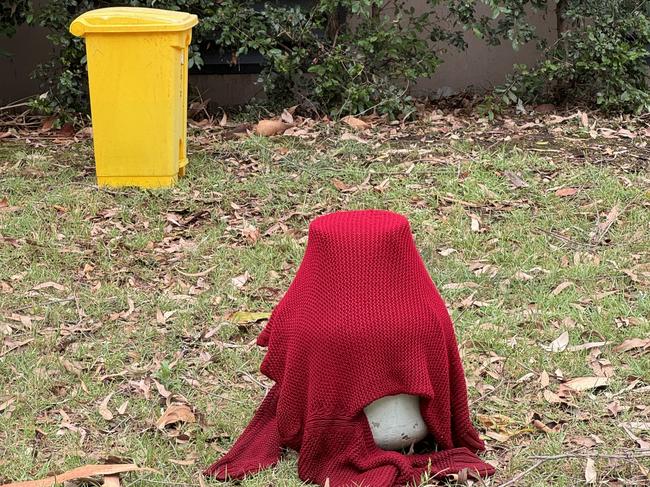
(361, 320)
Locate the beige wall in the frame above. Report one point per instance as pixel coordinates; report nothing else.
(479, 66)
(482, 66)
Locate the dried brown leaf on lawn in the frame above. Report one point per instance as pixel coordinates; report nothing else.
(5, 405)
(614, 408)
(561, 287)
(269, 128)
(241, 280)
(112, 481)
(633, 344)
(122, 408)
(162, 390)
(349, 136)
(103, 408)
(446, 252)
(81, 472)
(640, 273)
(286, 116)
(342, 186)
(582, 384)
(475, 224)
(601, 367)
(552, 398)
(559, 344)
(355, 123)
(628, 427)
(49, 284)
(522, 276)
(75, 368)
(585, 346)
(590, 471)
(584, 441)
(249, 316)
(515, 179)
(544, 379)
(603, 227)
(176, 413)
(564, 192)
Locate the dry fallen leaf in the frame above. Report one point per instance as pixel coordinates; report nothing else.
(446, 252)
(632, 344)
(590, 471)
(584, 119)
(81, 472)
(585, 346)
(176, 413)
(112, 481)
(602, 227)
(240, 281)
(356, 138)
(249, 316)
(584, 383)
(355, 123)
(341, 186)
(49, 284)
(643, 444)
(563, 192)
(584, 441)
(103, 408)
(637, 425)
(286, 116)
(522, 276)
(544, 379)
(559, 344)
(640, 273)
(561, 287)
(162, 390)
(551, 397)
(269, 128)
(122, 408)
(543, 427)
(515, 179)
(475, 225)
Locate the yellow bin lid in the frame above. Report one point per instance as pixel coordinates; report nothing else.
(131, 19)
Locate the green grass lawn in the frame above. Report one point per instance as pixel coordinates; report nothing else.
(130, 293)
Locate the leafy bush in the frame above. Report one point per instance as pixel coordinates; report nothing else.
(600, 58)
(12, 14)
(602, 64)
(352, 56)
(336, 57)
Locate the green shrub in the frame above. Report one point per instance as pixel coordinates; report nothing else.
(337, 57)
(600, 58)
(602, 64)
(12, 14)
(341, 57)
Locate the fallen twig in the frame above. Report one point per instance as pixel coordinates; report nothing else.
(614, 456)
(541, 459)
(521, 475)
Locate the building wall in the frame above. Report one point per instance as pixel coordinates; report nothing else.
(19, 56)
(479, 66)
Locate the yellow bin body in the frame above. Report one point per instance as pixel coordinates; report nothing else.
(137, 72)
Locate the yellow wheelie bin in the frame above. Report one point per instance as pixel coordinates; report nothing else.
(137, 72)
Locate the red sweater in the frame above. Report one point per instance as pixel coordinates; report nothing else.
(361, 320)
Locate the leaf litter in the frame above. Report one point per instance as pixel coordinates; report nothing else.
(533, 384)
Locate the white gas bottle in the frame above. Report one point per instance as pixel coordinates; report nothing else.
(395, 421)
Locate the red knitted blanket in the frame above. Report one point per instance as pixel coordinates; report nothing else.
(361, 320)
